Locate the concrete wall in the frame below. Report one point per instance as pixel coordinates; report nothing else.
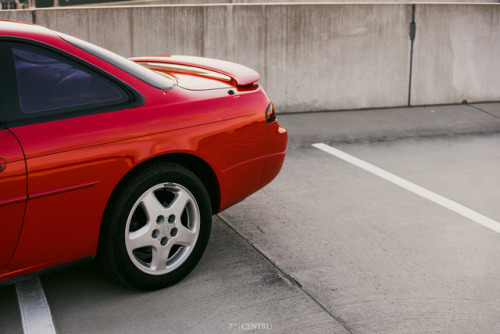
(168, 2)
(313, 56)
(457, 54)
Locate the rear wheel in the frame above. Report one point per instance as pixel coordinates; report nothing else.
(157, 228)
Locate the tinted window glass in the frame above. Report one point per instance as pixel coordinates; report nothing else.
(48, 82)
(155, 79)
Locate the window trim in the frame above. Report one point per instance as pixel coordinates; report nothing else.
(14, 116)
(124, 96)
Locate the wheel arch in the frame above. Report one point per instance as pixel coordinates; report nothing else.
(195, 164)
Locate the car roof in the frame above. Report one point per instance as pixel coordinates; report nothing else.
(11, 28)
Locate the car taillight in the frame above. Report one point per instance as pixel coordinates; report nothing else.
(270, 113)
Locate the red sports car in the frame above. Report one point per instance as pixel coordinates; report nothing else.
(123, 160)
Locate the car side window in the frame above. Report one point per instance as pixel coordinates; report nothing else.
(49, 82)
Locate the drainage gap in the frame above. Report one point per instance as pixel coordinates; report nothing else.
(413, 31)
(288, 278)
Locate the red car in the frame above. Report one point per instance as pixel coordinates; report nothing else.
(125, 161)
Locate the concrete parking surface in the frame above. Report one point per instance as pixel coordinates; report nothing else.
(329, 247)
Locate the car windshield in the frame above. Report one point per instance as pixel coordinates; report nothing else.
(148, 76)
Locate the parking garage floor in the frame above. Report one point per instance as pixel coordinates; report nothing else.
(381, 221)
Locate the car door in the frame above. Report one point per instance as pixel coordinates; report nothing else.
(12, 194)
(70, 167)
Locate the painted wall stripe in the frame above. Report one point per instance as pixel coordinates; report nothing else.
(35, 311)
(427, 194)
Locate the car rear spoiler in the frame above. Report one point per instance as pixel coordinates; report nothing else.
(239, 74)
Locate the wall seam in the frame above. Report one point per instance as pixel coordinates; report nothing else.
(413, 31)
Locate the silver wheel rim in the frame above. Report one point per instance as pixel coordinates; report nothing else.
(162, 228)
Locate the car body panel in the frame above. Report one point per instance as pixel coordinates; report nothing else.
(12, 194)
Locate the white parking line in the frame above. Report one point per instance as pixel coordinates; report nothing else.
(431, 196)
(35, 311)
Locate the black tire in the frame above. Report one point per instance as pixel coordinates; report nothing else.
(156, 228)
